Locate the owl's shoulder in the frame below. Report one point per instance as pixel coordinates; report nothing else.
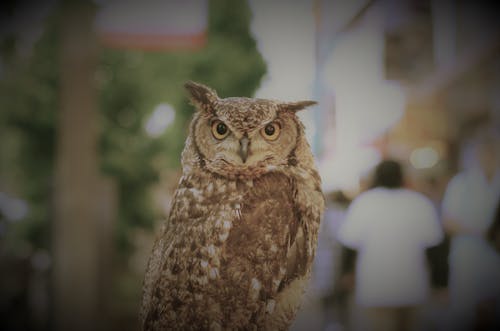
(198, 195)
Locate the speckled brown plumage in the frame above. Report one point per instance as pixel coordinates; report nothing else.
(236, 251)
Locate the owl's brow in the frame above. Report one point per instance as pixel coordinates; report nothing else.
(277, 119)
(213, 119)
(262, 124)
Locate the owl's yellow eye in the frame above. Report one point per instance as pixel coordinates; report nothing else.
(219, 130)
(271, 131)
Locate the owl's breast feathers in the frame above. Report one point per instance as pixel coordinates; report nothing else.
(234, 255)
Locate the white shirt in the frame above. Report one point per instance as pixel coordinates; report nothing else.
(391, 228)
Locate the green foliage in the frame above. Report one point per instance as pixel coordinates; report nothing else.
(27, 127)
(131, 83)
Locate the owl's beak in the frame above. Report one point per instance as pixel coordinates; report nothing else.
(243, 152)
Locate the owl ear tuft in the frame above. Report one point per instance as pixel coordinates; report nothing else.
(296, 106)
(202, 97)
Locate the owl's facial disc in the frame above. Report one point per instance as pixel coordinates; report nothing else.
(235, 147)
(246, 148)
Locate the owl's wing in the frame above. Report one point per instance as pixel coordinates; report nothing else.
(153, 270)
(175, 276)
(302, 233)
(273, 245)
(296, 257)
(162, 246)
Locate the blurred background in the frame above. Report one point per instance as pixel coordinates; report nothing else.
(94, 116)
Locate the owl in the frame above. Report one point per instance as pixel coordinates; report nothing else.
(237, 249)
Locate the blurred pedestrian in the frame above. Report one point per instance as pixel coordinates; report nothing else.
(488, 309)
(494, 231)
(468, 210)
(391, 227)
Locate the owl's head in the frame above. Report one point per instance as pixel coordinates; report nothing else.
(244, 137)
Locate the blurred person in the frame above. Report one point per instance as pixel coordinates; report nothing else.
(437, 255)
(488, 310)
(493, 235)
(468, 211)
(391, 227)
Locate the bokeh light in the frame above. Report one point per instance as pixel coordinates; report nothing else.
(160, 119)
